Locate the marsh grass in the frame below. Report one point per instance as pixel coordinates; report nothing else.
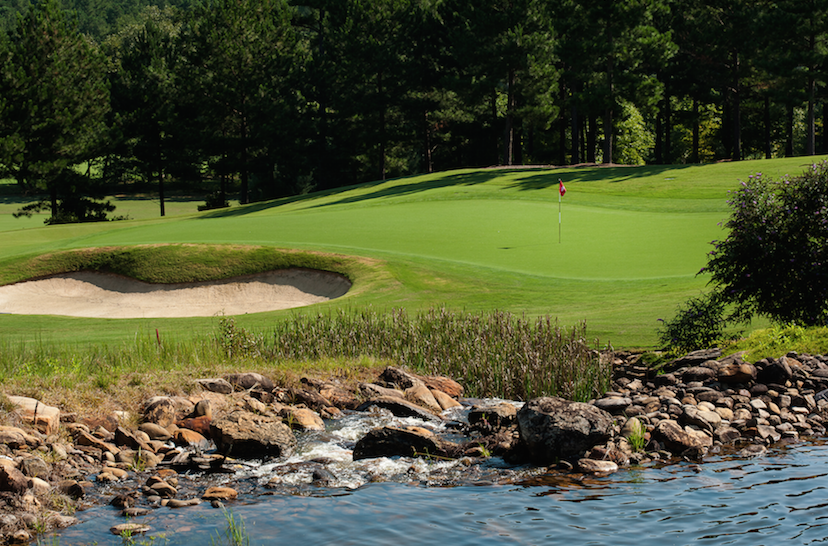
(492, 354)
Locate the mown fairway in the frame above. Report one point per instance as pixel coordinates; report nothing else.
(632, 241)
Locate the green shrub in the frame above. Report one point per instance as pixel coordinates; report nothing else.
(774, 261)
(698, 324)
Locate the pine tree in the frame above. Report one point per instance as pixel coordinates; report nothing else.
(55, 99)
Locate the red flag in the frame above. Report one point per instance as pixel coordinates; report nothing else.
(561, 187)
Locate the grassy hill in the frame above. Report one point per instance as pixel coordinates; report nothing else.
(632, 240)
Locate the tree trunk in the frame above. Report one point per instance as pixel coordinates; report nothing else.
(768, 151)
(159, 169)
(562, 129)
(576, 136)
(737, 111)
(509, 126)
(668, 128)
(659, 136)
(695, 156)
(381, 113)
(608, 136)
(789, 143)
(427, 128)
(810, 148)
(592, 139)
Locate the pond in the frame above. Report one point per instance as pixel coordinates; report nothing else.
(778, 496)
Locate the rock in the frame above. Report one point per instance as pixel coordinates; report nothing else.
(248, 435)
(38, 486)
(592, 466)
(217, 385)
(203, 408)
(613, 404)
(220, 493)
(129, 529)
(165, 410)
(401, 378)
(21, 536)
(420, 395)
(443, 384)
(155, 432)
(633, 427)
(163, 489)
(369, 390)
(736, 372)
(176, 503)
(301, 418)
(199, 424)
(126, 438)
(491, 418)
(338, 396)
(86, 439)
(678, 440)
(552, 428)
(187, 437)
(45, 418)
(16, 438)
(249, 380)
(445, 401)
(695, 358)
(405, 442)
(698, 373)
(312, 399)
(398, 407)
(778, 372)
(13, 480)
(71, 488)
(34, 467)
(701, 418)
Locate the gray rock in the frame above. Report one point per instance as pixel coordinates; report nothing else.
(249, 380)
(218, 385)
(552, 428)
(613, 404)
(248, 435)
(491, 418)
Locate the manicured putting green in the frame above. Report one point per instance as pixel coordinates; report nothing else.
(632, 238)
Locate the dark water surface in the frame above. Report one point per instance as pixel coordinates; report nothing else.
(779, 497)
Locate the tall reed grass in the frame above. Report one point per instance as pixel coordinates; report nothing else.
(492, 354)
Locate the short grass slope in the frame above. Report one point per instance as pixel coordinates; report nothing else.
(626, 251)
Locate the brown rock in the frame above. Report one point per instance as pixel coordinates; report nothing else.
(420, 395)
(444, 399)
(443, 384)
(86, 439)
(216, 385)
(164, 410)
(592, 466)
(155, 432)
(220, 493)
(246, 381)
(16, 438)
(737, 372)
(128, 439)
(677, 440)
(198, 424)
(245, 434)
(187, 437)
(45, 418)
(301, 418)
(398, 407)
(13, 480)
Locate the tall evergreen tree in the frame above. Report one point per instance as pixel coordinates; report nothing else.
(55, 99)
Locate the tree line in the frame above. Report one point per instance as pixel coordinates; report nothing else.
(270, 98)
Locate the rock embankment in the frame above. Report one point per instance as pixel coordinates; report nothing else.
(51, 463)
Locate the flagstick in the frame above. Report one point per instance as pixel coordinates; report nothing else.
(559, 217)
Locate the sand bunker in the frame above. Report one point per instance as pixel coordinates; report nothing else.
(99, 295)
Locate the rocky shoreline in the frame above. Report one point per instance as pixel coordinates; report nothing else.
(173, 448)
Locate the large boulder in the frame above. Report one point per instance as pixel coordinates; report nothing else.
(248, 435)
(552, 428)
(403, 442)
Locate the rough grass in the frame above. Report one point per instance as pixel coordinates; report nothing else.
(779, 339)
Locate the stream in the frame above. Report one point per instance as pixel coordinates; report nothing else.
(320, 496)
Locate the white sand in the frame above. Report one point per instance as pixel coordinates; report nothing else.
(99, 295)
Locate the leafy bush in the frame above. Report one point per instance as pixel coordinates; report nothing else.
(698, 325)
(774, 261)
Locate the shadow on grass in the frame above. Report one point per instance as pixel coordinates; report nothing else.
(536, 178)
